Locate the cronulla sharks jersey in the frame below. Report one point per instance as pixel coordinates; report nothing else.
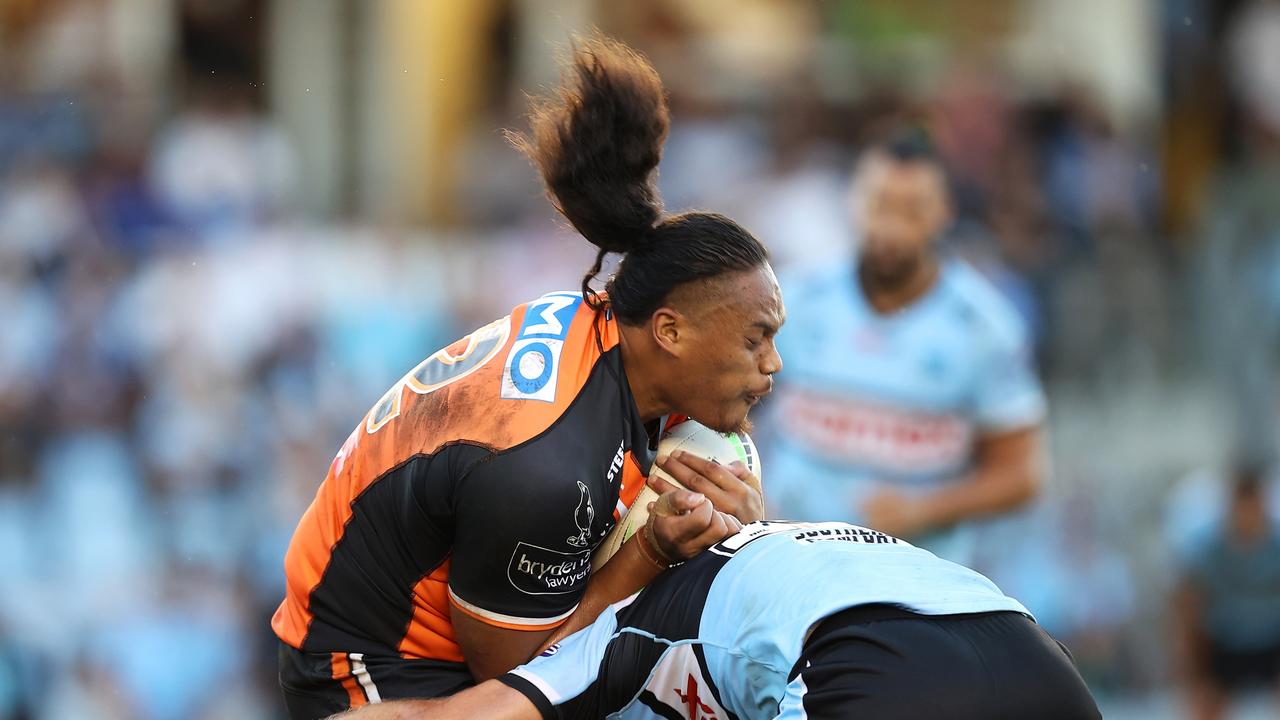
(867, 400)
(718, 636)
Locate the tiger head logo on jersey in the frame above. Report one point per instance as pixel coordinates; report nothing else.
(582, 517)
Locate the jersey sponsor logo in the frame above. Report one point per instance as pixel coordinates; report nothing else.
(550, 651)
(845, 533)
(536, 570)
(533, 365)
(859, 433)
(615, 466)
(805, 532)
(582, 517)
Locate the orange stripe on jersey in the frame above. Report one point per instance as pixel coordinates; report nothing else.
(633, 481)
(342, 672)
(506, 625)
(430, 634)
(673, 420)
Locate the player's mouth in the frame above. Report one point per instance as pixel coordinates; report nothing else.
(755, 396)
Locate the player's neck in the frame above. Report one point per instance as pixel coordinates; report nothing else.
(642, 373)
(890, 295)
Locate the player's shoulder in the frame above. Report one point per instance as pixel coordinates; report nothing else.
(980, 305)
(556, 340)
(503, 384)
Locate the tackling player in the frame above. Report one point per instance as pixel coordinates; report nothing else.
(909, 403)
(454, 530)
(793, 620)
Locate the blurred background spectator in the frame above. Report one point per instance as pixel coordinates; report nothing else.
(1227, 607)
(226, 226)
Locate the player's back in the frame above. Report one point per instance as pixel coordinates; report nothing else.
(781, 578)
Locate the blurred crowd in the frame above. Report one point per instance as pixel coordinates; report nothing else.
(182, 348)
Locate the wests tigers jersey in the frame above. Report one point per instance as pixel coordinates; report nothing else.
(480, 483)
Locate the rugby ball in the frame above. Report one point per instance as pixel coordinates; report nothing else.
(691, 437)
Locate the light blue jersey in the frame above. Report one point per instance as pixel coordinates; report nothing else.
(868, 400)
(718, 636)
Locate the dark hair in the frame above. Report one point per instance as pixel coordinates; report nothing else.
(597, 144)
(910, 143)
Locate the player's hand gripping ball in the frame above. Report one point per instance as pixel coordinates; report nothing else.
(724, 468)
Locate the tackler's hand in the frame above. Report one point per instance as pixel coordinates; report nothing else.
(894, 513)
(730, 488)
(683, 523)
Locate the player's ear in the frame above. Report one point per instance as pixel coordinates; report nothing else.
(668, 325)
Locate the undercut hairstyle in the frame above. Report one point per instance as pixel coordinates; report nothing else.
(597, 143)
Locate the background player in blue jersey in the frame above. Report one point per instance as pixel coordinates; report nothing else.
(908, 403)
(794, 620)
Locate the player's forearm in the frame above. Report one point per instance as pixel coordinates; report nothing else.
(625, 574)
(491, 700)
(1008, 474)
(989, 490)
(396, 710)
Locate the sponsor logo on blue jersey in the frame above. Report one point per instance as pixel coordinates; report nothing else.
(534, 362)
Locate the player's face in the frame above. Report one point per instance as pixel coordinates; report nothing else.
(902, 206)
(729, 356)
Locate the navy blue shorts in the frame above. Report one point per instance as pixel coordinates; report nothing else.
(879, 661)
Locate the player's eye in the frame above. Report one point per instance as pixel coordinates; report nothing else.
(754, 343)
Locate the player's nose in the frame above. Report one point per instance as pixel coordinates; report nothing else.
(772, 361)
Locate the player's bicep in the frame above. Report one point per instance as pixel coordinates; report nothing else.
(491, 700)
(491, 650)
(520, 561)
(1008, 395)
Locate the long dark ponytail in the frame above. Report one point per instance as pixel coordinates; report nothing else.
(597, 144)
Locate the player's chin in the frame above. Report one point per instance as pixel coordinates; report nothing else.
(889, 263)
(733, 417)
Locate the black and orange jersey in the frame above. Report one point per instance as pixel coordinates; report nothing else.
(480, 483)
